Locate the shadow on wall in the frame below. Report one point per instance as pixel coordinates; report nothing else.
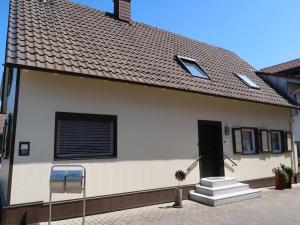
(146, 154)
(262, 156)
(229, 166)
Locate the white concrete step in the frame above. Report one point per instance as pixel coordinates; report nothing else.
(222, 190)
(217, 181)
(224, 199)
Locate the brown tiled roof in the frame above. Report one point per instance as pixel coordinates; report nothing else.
(67, 37)
(282, 67)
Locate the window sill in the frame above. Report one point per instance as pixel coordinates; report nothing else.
(84, 158)
(250, 153)
(278, 153)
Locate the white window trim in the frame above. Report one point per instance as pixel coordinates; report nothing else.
(252, 151)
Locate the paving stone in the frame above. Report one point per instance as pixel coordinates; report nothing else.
(273, 208)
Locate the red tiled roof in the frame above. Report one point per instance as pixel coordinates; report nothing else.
(67, 37)
(293, 64)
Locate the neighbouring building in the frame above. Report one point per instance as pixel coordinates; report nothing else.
(2, 127)
(133, 104)
(285, 78)
(2, 122)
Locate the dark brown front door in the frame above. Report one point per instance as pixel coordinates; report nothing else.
(211, 149)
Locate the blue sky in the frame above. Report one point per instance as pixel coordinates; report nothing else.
(263, 32)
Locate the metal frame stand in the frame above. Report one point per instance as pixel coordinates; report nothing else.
(83, 191)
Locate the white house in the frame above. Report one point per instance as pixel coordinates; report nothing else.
(133, 104)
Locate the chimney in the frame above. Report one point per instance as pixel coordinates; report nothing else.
(122, 10)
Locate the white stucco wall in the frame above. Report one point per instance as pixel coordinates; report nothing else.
(157, 134)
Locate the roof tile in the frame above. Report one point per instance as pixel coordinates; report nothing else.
(283, 67)
(68, 37)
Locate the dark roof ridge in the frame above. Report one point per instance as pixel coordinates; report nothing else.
(266, 69)
(293, 60)
(279, 74)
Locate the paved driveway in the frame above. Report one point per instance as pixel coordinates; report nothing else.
(273, 208)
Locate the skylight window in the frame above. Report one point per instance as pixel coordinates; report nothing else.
(250, 83)
(192, 67)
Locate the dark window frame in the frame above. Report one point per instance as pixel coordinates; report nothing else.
(282, 141)
(7, 137)
(256, 140)
(182, 59)
(1, 142)
(9, 81)
(4, 136)
(83, 116)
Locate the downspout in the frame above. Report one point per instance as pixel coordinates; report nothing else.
(294, 146)
(294, 153)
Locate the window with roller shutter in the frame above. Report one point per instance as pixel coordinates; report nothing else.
(85, 136)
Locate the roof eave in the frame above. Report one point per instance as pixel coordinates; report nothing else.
(291, 106)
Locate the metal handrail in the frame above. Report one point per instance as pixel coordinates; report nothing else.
(233, 163)
(193, 165)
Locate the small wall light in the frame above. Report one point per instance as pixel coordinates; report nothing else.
(24, 148)
(226, 130)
